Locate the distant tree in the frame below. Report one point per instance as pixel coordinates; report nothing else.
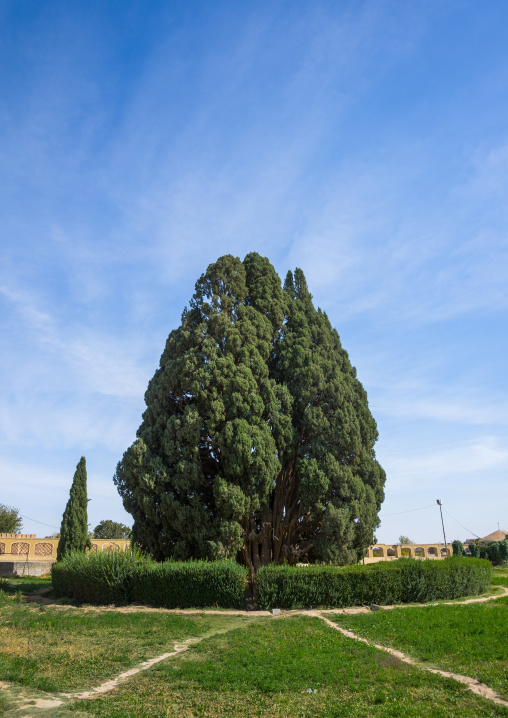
(108, 529)
(405, 540)
(10, 520)
(74, 529)
(484, 550)
(494, 551)
(458, 548)
(475, 549)
(257, 442)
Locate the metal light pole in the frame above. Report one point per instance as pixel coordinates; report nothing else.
(442, 523)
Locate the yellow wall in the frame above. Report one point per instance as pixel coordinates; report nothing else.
(26, 547)
(391, 552)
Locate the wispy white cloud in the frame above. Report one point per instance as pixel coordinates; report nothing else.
(471, 459)
(489, 178)
(60, 421)
(106, 364)
(456, 412)
(370, 246)
(84, 389)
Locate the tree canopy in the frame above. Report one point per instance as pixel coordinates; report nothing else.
(405, 540)
(10, 520)
(74, 528)
(108, 529)
(257, 441)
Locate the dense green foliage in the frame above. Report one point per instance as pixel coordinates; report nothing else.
(458, 548)
(468, 639)
(125, 576)
(383, 583)
(108, 529)
(97, 578)
(494, 551)
(74, 528)
(10, 520)
(474, 549)
(191, 584)
(257, 442)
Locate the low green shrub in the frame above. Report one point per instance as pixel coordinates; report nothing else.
(99, 578)
(383, 583)
(189, 584)
(123, 577)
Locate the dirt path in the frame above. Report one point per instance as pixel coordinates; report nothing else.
(473, 685)
(33, 703)
(142, 608)
(366, 609)
(107, 686)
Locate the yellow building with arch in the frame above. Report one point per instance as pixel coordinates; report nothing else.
(391, 552)
(27, 555)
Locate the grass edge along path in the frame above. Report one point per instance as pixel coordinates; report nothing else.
(62, 698)
(471, 684)
(478, 688)
(468, 640)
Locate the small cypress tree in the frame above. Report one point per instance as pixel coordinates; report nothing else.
(458, 548)
(74, 529)
(475, 549)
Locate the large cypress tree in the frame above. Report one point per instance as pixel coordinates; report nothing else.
(74, 528)
(257, 441)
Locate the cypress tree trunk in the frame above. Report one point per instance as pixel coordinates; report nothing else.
(74, 528)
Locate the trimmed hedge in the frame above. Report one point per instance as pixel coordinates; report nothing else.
(124, 577)
(193, 584)
(403, 581)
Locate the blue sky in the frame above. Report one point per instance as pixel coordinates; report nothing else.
(365, 142)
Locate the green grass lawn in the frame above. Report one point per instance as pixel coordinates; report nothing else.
(248, 665)
(470, 639)
(53, 649)
(266, 669)
(500, 579)
(25, 584)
